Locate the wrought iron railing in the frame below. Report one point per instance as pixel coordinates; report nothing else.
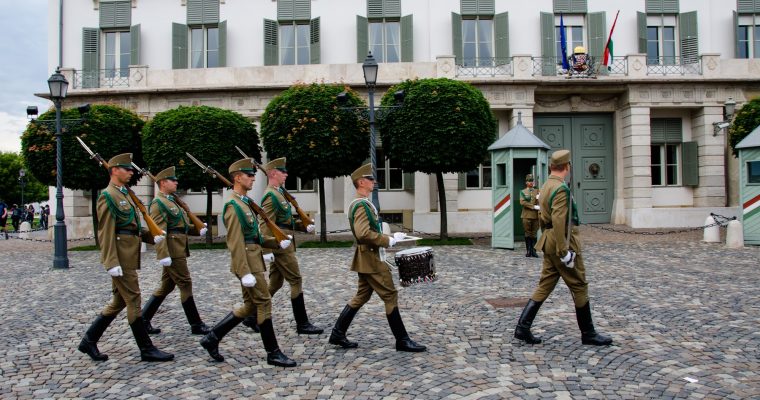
(674, 65)
(618, 66)
(91, 79)
(490, 66)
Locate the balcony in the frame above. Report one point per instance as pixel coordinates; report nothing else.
(479, 67)
(104, 78)
(552, 66)
(674, 66)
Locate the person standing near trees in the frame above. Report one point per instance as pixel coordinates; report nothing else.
(119, 235)
(244, 240)
(15, 217)
(4, 217)
(285, 266)
(172, 254)
(529, 215)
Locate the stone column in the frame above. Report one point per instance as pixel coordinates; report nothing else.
(522, 66)
(446, 67)
(711, 191)
(637, 66)
(635, 149)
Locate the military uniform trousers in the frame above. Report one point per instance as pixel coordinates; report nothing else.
(177, 274)
(126, 288)
(285, 269)
(380, 282)
(575, 278)
(255, 298)
(530, 226)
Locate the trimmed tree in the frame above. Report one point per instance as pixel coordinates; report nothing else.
(320, 140)
(445, 126)
(10, 164)
(108, 130)
(210, 134)
(745, 121)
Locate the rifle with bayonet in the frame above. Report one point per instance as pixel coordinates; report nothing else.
(197, 223)
(305, 219)
(155, 230)
(276, 231)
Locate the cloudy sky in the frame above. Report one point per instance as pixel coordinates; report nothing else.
(24, 71)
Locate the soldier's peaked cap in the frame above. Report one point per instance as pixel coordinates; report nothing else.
(244, 165)
(529, 178)
(560, 157)
(277, 163)
(122, 160)
(168, 173)
(365, 171)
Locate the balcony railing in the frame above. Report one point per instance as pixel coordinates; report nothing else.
(490, 66)
(108, 78)
(674, 65)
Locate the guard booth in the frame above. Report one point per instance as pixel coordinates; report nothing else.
(749, 185)
(516, 154)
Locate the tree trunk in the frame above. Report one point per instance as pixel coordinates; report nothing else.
(322, 216)
(442, 205)
(94, 206)
(209, 238)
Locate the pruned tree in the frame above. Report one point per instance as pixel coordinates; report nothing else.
(745, 121)
(10, 164)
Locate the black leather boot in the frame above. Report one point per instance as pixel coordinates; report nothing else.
(403, 342)
(251, 321)
(274, 355)
(588, 333)
(527, 246)
(338, 335)
(522, 330)
(149, 310)
(210, 342)
(197, 327)
(533, 247)
(303, 326)
(89, 343)
(148, 352)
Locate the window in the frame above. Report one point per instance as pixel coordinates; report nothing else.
(389, 173)
(661, 45)
(204, 47)
(117, 54)
(665, 164)
(294, 44)
(477, 42)
(296, 184)
(501, 174)
(480, 177)
(753, 172)
(749, 41)
(385, 40)
(574, 37)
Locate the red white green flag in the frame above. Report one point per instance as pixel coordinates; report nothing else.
(608, 49)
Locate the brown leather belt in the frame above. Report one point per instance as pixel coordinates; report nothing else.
(126, 232)
(178, 230)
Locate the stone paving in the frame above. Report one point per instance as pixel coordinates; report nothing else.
(684, 316)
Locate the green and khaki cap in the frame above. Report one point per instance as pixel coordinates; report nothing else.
(365, 171)
(529, 178)
(121, 160)
(167, 174)
(560, 157)
(277, 163)
(245, 165)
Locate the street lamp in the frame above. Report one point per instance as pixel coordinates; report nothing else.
(22, 183)
(58, 88)
(370, 68)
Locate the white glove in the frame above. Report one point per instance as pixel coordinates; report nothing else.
(391, 241)
(569, 259)
(310, 228)
(399, 236)
(165, 262)
(268, 258)
(158, 239)
(285, 243)
(536, 207)
(116, 272)
(203, 230)
(248, 280)
(537, 194)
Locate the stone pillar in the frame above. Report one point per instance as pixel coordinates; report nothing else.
(446, 67)
(711, 191)
(637, 66)
(138, 76)
(421, 192)
(635, 148)
(522, 66)
(710, 65)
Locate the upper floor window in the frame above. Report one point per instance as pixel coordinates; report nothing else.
(747, 25)
(385, 40)
(667, 36)
(294, 44)
(118, 53)
(573, 38)
(477, 41)
(661, 45)
(384, 32)
(204, 47)
(202, 42)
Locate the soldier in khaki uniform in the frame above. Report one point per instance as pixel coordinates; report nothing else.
(119, 234)
(529, 215)
(244, 240)
(374, 274)
(285, 266)
(172, 254)
(561, 259)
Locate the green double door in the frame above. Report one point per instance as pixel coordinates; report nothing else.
(590, 139)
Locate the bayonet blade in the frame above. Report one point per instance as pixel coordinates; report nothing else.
(92, 154)
(259, 166)
(200, 164)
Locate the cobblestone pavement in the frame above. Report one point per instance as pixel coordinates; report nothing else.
(684, 316)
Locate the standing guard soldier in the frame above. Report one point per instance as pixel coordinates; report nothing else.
(374, 273)
(172, 254)
(244, 240)
(285, 266)
(529, 215)
(119, 234)
(562, 258)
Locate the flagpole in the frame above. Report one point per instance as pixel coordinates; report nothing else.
(609, 38)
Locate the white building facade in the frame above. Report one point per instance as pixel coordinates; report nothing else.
(647, 150)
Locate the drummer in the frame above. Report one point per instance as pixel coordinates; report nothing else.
(374, 274)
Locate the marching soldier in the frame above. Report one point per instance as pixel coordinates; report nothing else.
(374, 274)
(285, 266)
(244, 240)
(529, 215)
(172, 254)
(119, 234)
(561, 258)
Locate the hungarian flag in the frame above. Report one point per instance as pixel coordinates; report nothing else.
(608, 49)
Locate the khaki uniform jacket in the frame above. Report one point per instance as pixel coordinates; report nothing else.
(369, 239)
(279, 211)
(169, 216)
(553, 219)
(247, 258)
(527, 201)
(117, 211)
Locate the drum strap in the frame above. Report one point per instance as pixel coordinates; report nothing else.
(370, 215)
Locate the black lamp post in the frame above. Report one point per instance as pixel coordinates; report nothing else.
(58, 88)
(22, 183)
(370, 68)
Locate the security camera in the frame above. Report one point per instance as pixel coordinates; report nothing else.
(722, 125)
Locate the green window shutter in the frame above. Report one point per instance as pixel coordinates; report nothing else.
(641, 24)
(666, 130)
(462, 181)
(271, 50)
(194, 12)
(123, 13)
(469, 7)
(210, 11)
(223, 44)
(314, 49)
(407, 39)
(570, 6)
(501, 30)
(737, 49)
(362, 40)
(653, 6)
(687, 27)
(408, 180)
(302, 10)
(486, 7)
(597, 35)
(561, 6)
(549, 66)
(748, 6)
(285, 10)
(392, 9)
(108, 14)
(661, 6)
(179, 46)
(670, 6)
(375, 9)
(456, 35)
(90, 59)
(134, 36)
(690, 164)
